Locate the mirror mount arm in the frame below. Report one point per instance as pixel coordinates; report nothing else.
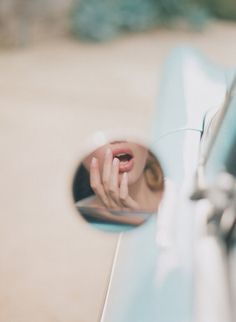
(200, 188)
(221, 220)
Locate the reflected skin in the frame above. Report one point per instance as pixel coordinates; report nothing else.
(118, 183)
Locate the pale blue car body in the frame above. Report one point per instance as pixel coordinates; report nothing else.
(139, 291)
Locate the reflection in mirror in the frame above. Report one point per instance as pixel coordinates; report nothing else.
(120, 183)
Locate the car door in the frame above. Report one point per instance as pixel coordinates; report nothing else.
(152, 274)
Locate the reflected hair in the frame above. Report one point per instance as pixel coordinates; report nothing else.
(153, 173)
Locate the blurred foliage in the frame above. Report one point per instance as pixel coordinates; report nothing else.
(25, 21)
(99, 20)
(224, 9)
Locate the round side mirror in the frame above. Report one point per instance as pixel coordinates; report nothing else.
(118, 185)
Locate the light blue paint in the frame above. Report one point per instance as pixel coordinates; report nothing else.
(223, 143)
(134, 294)
(113, 228)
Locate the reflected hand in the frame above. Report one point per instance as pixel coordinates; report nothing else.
(106, 186)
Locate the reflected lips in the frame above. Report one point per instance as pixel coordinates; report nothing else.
(126, 159)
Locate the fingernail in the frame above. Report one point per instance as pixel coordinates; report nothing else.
(115, 161)
(94, 161)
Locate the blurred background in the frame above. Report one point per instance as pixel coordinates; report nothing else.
(69, 68)
(24, 21)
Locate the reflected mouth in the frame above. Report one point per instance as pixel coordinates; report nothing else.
(126, 158)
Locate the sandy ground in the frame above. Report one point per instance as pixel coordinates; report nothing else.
(53, 95)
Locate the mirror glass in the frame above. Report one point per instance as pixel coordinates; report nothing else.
(118, 186)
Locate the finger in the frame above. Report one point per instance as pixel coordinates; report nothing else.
(107, 166)
(124, 187)
(125, 198)
(95, 182)
(114, 181)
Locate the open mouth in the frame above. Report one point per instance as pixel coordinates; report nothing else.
(126, 158)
